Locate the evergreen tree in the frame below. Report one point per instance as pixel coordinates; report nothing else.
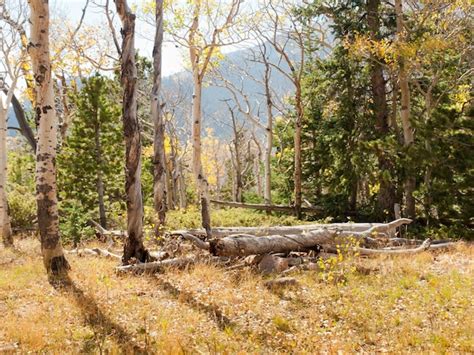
(91, 161)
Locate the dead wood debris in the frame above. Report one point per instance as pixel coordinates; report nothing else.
(284, 250)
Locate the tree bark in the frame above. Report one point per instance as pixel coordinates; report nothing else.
(408, 135)
(5, 226)
(201, 181)
(245, 244)
(219, 232)
(99, 161)
(239, 185)
(25, 128)
(133, 247)
(159, 160)
(297, 141)
(386, 195)
(48, 218)
(267, 168)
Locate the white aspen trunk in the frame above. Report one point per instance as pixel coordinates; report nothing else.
(267, 194)
(201, 181)
(5, 227)
(159, 159)
(48, 217)
(408, 135)
(133, 247)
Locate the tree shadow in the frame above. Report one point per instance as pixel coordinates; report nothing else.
(102, 325)
(211, 310)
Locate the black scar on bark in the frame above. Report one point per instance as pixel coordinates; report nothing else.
(59, 265)
(46, 108)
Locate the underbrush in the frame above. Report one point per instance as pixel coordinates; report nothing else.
(226, 217)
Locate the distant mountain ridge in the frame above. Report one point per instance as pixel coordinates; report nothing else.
(215, 112)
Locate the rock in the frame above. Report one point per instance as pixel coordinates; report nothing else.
(272, 264)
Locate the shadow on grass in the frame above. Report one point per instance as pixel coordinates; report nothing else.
(211, 310)
(102, 325)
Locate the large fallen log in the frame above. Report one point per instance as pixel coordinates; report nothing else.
(270, 208)
(219, 232)
(243, 245)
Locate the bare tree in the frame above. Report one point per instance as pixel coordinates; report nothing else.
(250, 108)
(203, 42)
(48, 218)
(236, 155)
(287, 35)
(17, 24)
(10, 65)
(159, 160)
(133, 247)
(408, 134)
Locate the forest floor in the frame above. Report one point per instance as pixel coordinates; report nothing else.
(419, 303)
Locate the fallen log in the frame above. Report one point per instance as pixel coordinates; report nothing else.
(95, 252)
(269, 208)
(243, 245)
(156, 266)
(246, 244)
(368, 252)
(220, 232)
(101, 230)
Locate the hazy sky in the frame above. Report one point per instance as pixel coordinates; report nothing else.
(72, 9)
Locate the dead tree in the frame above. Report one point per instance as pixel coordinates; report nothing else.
(133, 247)
(159, 160)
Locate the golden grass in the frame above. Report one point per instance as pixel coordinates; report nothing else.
(405, 304)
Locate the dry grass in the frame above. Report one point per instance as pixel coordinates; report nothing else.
(418, 304)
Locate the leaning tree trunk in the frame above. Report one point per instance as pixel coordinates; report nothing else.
(159, 162)
(48, 218)
(25, 128)
(408, 135)
(5, 227)
(133, 247)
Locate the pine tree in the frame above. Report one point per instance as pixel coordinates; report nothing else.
(91, 162)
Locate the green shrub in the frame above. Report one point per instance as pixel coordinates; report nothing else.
(22, 207)
(74, 223)
(226, 217)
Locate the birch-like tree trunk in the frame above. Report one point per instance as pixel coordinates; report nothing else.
(46, 189)
(408, 135)
(133, 247)
(201, 181)
(159, 162)
(267, 194)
